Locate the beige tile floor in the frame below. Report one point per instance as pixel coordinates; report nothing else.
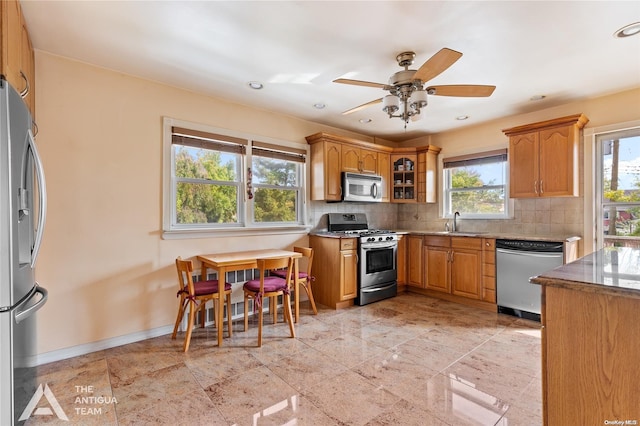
(410, 360)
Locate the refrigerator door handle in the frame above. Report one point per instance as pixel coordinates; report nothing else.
(42, 192)
(22, 315)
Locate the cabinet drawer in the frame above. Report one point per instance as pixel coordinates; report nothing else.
(437, 241)
(488, 270)
(348, 243)
(489, 295)
(489, 283)
(489, 256)
(489, 244)
(466, 243)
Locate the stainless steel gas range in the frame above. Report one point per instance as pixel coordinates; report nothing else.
(377, 256)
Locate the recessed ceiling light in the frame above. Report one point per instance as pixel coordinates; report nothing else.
(365, 120)
(537, 97)
(255, 85)
(319, 105)
(628, 31)
(462, 117)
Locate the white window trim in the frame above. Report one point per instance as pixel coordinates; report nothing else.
(593, 177)
(509, 204)
(249, 228)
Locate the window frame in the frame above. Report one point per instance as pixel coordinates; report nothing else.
(470, 159)
(246, 224)
(620, 131)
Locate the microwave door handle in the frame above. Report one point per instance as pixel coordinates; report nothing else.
(374, 190)
(42, 192)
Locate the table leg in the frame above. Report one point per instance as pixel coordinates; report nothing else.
(222, 279)
(296, 295)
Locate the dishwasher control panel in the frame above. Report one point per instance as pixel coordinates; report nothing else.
(528, 245)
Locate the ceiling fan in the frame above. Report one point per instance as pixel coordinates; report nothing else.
(407, 94)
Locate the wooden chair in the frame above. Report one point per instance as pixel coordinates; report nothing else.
(196, 295)
(304, 278)
(269, 287)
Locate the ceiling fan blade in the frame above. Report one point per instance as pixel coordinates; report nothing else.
(437, 64)
(360, 83)
(363, 106)
(461, 90)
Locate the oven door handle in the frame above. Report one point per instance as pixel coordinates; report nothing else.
(383, 245)
(372, 290)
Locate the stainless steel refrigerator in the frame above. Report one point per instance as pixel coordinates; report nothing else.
(23, 206)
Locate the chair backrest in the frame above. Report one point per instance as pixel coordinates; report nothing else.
(308, 253)
(185, 269)
(276, 263)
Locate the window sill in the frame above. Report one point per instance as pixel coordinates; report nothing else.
(234, 232)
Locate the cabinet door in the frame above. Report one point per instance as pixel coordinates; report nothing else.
(402, 259)
(332, 176)
(466, 273)
(523, 165)
(27, 65)
(384, 170)
(349, 274)
(350, 159)
(368, 161)
(558, 157)
(414, 266)
(438, 273)
(12, 43)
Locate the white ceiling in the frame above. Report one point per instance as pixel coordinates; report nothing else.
(563, 50)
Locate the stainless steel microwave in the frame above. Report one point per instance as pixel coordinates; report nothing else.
(361, 187)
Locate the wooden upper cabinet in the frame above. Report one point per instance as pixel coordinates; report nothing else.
(543, 158)
(16, 59)
(384, 170)
(326, 160)
(358, 160)
(331, 155)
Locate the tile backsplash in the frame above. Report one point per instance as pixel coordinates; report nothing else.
(540, 216)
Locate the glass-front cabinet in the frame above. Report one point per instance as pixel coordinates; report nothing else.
(404, 178)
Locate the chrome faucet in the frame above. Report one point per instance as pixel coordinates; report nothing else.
(455, 224)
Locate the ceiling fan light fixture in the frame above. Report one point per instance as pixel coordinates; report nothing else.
(418, 99)
(390, 104)
(628, 30)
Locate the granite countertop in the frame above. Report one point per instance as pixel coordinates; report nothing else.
(496, 235)
(612, 270)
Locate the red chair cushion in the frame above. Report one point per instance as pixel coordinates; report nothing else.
(270, 284)
(207, 287)
(282, 273)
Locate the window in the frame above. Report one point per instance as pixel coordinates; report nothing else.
(619, 188)
(276, 179)
(216, 180)
(476, 185)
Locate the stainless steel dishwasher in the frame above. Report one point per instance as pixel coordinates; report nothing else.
(516, 262)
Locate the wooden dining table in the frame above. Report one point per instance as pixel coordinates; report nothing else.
(237, 261)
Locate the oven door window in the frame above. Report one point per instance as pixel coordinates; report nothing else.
(380, 260)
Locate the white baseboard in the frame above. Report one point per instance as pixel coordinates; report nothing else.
(86, 348)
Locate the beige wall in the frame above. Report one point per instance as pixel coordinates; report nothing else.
(107, 268)
(103, 260)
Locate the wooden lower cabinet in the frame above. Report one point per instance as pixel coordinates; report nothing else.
(453, 268)
(438, 276)
(489, 270)
(590, 347)
(415, 274)
(335, 268)
(401, 257)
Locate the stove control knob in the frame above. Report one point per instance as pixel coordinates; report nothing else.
(389, 238)
(370, 239)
